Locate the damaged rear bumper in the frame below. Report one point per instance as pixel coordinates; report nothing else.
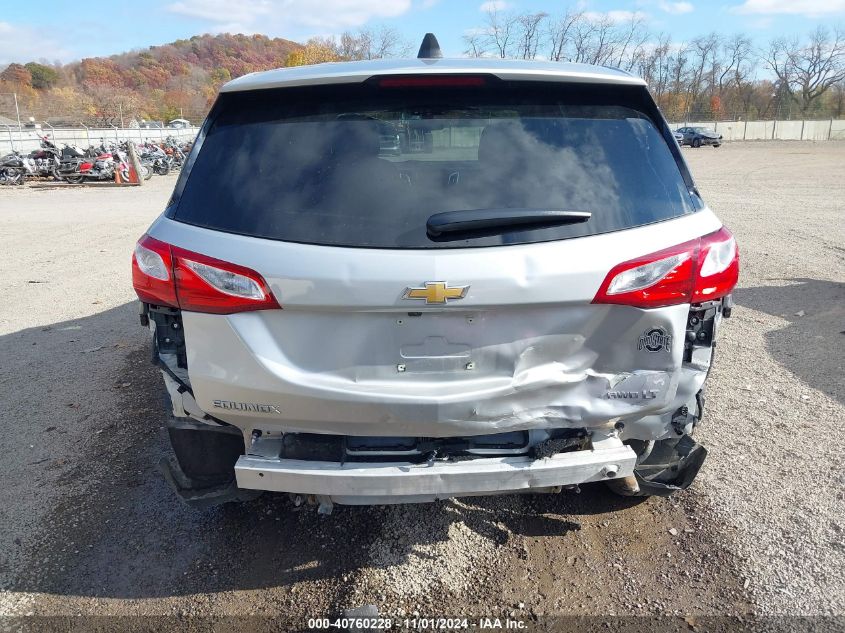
(360, 483)
(673, 470)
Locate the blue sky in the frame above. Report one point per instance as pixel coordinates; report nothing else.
(62, 30)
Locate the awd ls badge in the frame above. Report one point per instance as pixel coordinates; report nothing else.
(654, 340)
(437, 292)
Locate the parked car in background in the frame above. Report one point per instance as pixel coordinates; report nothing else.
(179, 123)
(698, 136)
(531, 304)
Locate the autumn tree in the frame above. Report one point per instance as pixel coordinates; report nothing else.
(16, 75)
(43, 77)
(316, 51)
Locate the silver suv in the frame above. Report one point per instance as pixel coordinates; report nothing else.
(522, 294)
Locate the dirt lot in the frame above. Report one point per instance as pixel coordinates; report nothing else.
(87, 525)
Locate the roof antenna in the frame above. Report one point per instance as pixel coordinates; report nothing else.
(430, 48)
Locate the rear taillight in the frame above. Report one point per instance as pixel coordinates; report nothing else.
(152, 272)
(205, 284)
(702, 269)
(166, 275)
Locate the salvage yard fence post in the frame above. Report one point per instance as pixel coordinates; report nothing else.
(11, 139)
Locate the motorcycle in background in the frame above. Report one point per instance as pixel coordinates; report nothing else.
(97, 163)
(176, 151)
(156, 157)
(14, 168)
(46, 159)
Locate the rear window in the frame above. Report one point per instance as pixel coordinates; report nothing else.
(366, 165)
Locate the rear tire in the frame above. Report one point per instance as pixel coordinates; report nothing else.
(74, 180)
(696, 142)
(626, 487)
(664, 467)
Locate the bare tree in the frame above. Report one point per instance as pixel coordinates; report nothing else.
(703, 50)
(629, 43)
(372, 43)
(808, 69)
(838, 102)
(499, 32)
(583, 34)
(559, 35)
(654, 67)
(707, 75)
(529, 33)
(597, 47)
(677, 78)
(605, 41)
(738, 55)
(733, 67)
(475, 43)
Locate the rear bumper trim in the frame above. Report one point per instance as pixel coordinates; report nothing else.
(438, 480)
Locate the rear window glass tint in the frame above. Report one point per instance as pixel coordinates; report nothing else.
(363, 166)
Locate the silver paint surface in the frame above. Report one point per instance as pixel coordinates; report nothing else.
(540, 355)
(356, 72)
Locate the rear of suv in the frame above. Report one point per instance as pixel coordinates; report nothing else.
(520, 294)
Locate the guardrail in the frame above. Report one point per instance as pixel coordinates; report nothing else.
(27, 139)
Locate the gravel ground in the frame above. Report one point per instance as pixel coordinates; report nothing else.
(87, 525)
(777, 393)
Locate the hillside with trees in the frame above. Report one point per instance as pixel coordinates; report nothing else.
(176, 80)
(158, 83)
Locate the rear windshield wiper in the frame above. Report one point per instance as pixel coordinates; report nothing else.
(480, 222)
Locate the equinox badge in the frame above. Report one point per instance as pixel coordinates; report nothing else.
(436, 292)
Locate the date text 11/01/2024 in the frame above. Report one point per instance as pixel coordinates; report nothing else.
(416, 623)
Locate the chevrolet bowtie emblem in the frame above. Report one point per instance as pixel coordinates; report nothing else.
(436, 292)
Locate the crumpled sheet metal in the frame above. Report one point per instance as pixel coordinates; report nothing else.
(525, 376)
